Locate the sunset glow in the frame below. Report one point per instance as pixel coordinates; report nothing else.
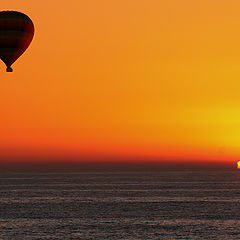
(127, 79)
(238, 164)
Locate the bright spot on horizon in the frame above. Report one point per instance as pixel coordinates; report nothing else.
(238, 164)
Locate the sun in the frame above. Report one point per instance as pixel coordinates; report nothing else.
(238, 164)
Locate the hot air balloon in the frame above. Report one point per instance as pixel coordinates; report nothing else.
(16, 34)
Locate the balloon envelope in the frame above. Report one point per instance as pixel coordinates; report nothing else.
(16, 34)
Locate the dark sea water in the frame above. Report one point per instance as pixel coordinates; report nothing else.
(120, 205)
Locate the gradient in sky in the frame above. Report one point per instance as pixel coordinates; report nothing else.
(125, 78)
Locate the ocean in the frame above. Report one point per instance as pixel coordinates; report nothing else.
(200, 204)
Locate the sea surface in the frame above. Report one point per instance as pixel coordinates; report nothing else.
(120, 205)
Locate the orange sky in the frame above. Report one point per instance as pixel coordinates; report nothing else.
(125, 78)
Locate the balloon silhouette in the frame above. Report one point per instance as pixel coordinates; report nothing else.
(16, 34)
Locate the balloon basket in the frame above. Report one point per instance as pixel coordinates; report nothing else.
(9, 69)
